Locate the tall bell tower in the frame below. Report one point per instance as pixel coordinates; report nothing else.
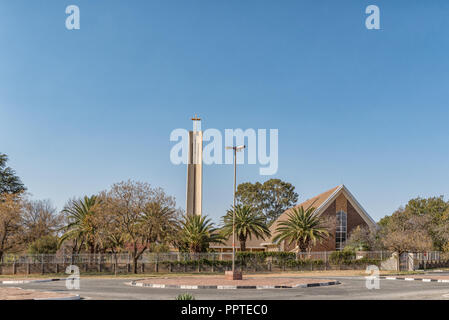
(195, 170)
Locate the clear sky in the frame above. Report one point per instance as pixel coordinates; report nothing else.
(80, 110)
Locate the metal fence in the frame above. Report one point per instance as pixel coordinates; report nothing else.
(120, 258)
(150, 257)
(428, 256)
(202, 262)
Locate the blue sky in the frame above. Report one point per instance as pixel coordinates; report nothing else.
(80, 110)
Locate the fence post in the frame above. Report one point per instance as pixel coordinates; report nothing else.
(156, 265)
(99, 262)
(425, 261)
(128, 265)
(14, 269)
(325, 260)
(42, 264)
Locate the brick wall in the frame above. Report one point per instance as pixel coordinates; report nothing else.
(354, 219)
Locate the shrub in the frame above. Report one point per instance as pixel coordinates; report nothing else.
(260, 257)
(342, 257)
(195, 263)
(304, 262)
(185, 296)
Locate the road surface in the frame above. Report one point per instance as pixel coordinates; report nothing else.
(351, 288)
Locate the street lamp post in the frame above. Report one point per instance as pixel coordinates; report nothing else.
(235, 149)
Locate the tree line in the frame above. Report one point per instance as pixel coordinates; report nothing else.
(135, 217)
(421, 225)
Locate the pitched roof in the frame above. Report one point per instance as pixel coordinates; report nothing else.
(314, 202)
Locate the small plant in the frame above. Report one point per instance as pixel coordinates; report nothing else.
(185, 296)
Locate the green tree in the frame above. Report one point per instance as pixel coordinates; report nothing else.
(303, 228)
(45, 245)
(272, 198)
(9, 182)
(430, 215)
(248, 223)
(197, 233)
(434, 207)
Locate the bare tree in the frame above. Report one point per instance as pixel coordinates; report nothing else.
(363, 238)
(142, 214)
(39, 220)
(406, 233)
(11, 206)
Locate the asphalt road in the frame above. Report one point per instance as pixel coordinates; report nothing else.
(351, 288)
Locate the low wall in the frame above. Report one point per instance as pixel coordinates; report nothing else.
(164, 267)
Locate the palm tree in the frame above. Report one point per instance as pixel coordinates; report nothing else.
(157, 224)
(302, 228)
(81, 222)
(161, 222)
(198, 233)
(248, 223)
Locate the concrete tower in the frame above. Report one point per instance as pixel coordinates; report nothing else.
(195, 170)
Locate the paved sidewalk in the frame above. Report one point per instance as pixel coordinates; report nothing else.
(12, 293)
(219, 282)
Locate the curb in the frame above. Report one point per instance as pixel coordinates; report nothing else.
(174, 286)
(75, 297)
(415, 279)
(27, 281)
